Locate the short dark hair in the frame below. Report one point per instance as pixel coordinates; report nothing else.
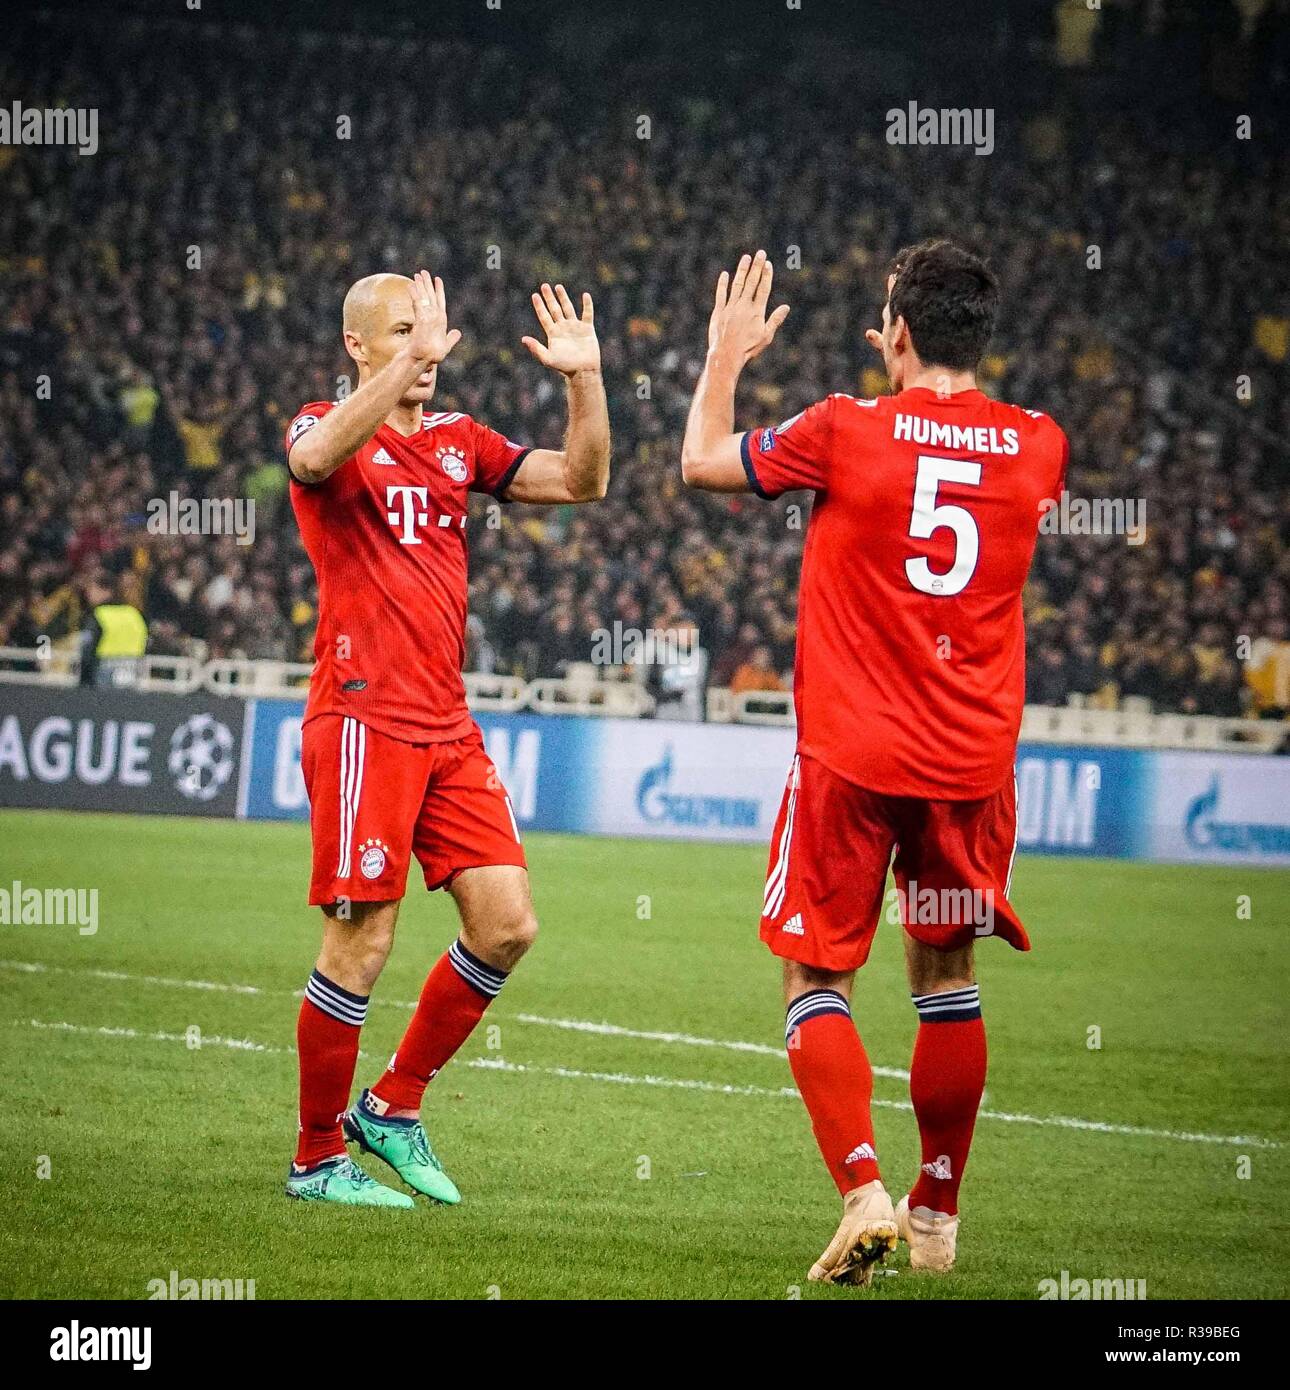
(948, 297)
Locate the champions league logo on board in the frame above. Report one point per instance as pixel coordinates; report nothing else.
(201, 757)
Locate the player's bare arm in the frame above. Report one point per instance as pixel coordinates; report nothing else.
(424, 341)
(738, 331)
(580, 471)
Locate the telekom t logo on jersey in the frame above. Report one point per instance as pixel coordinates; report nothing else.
(406, 512)
(406, 499)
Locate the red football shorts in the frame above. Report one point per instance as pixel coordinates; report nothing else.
(829, 855)
(375, 801)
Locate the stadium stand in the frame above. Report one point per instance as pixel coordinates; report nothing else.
(166, 305)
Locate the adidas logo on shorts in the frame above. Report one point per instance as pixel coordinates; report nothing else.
(794, 925)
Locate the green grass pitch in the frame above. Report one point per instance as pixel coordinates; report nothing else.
(600, 1164)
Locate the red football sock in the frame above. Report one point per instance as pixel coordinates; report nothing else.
(833, 1074)
(453, 1000)
(945, 1083)
(327, 1045)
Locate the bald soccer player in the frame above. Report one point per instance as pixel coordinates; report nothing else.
(394, 765)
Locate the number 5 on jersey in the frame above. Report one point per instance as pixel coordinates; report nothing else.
(927, 517)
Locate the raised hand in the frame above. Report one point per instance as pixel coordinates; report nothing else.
(739, 315)
(571, 344)
(430, 340)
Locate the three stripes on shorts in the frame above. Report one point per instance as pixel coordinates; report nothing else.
(777, 880)
(353, 753)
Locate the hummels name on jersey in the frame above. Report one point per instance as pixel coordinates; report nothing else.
(978, 439)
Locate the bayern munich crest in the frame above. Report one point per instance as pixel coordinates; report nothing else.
(371, 858)
(454, 463)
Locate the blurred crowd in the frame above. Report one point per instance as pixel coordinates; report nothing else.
(168, 303)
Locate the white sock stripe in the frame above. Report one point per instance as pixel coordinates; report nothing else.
(823, 1000)
(815, 1001)
(355, 1018)
(458, 952)
(336, 1005)
(483, 977)
(967, 992)
(933, 1005)
(333, 991)
(476, 981)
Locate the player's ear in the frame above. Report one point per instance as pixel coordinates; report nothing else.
(354, 346)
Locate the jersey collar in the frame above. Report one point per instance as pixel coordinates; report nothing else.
(925, 393)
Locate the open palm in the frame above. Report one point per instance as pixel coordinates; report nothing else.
(739, 313)
(571, 344)
(431, 340)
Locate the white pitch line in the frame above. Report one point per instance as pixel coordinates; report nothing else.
(204, 1039)
(578, 1025)
(246, 1045)
(619, 1078)
(614, 1030)
(134, 1035)
(33, 967)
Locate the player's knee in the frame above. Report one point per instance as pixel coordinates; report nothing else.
(933, 971)
(357, 941)
(519, 931)
(800, 979)
(505, 938)
(373, 948)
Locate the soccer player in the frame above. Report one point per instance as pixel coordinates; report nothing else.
(394, 765)
(908, 688)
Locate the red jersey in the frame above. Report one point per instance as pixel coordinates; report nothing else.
(910, 673)
(387, 536)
